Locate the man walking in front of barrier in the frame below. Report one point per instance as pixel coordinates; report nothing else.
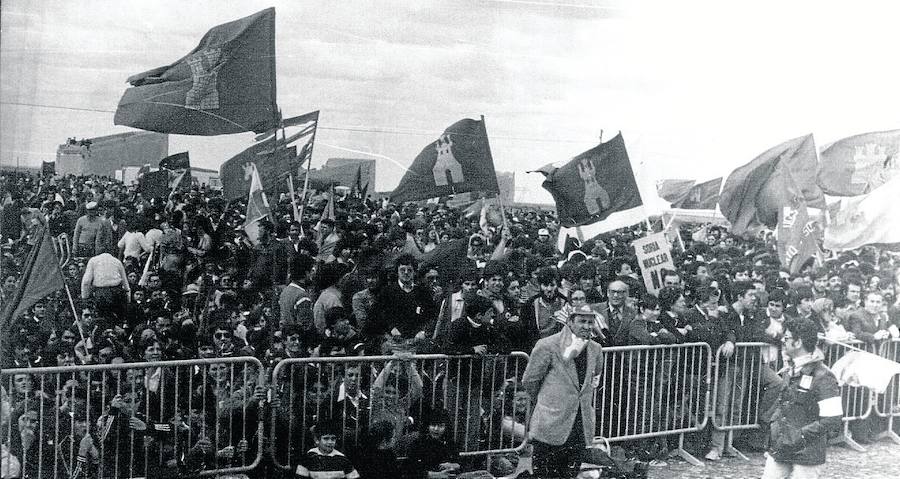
(561, 376)
(808, 407)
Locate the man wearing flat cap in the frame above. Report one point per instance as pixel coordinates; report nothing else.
(88, 231)
(562, 373)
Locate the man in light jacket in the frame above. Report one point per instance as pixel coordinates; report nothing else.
(562, 373)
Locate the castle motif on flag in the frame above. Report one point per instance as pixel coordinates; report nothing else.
(596, 199)
(873, 166)
(248, 171)
(205, 65)
(446, 164)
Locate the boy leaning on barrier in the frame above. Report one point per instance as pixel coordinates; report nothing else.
(807, 409)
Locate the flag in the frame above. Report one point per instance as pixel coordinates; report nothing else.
(275, 159)
(859, 368)
(798, 236)
(48, 168)
(859, 164)
(225, 85)
(490, 215)
(451, 259)
(702, 196)
(674, 191)
(866, 219)
(328, 212)
(459, 161)
(595, 192)
(257, 204)
(179, 168)
(41, 277)
(154, 184)
(754, 193)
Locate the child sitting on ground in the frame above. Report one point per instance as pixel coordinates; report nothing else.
(324, 460)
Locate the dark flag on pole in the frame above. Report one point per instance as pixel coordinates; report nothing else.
(674, 191)
(41, 277)
(702, 196)
(276, 158)
(48, 168)
(154, 184)
(179, 168)
(754, 194)
(225, 85)
(458, 161)
(595, 192)
(594, 185)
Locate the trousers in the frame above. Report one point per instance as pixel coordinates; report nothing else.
(784, 470)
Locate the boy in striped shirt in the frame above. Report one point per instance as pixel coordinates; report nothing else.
(324, 461)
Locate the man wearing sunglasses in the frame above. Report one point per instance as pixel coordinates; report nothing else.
(807, 409)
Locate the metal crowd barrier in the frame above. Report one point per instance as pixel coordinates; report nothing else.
(161, 419)
(887, 405)
(857, 401)
(737, 390)
(482, 394)
(654, 391)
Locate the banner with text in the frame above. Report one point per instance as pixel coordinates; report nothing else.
(654, 255)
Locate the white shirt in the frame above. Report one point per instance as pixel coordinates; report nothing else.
(103, 271)
(134, 243)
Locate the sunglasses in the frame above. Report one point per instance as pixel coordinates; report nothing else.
(222, 335)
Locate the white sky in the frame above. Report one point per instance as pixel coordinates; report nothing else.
(697, 88)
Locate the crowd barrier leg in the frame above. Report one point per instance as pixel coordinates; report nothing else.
(889, 432)
(688, 457)
(733, 451)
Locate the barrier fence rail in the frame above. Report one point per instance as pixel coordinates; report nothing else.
(157, 419)
(213, 417)
(654, 391)
(737, 390)
(857, 401)
(486, 403)
(887, 405)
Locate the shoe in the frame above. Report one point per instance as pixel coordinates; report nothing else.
(713, 455)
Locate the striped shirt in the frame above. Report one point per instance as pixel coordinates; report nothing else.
(334, 465)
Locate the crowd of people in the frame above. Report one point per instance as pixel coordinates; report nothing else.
(178, 278)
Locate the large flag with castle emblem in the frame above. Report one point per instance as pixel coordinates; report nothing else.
(457, 162)
(859, 164)
(866, 219)
(754, 193)
(225, 85)
(595, 192)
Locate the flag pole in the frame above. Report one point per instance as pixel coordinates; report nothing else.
(293, 197)
(312, 144)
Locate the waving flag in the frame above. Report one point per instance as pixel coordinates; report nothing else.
(41, 277)
(702, 196)
(674, 191)
(457, 162)
(225, 85)
(257, 204)
(276, 159)
(179, 168)
(595, 192)
(866, 219)
(754, 193)
(859, 164)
